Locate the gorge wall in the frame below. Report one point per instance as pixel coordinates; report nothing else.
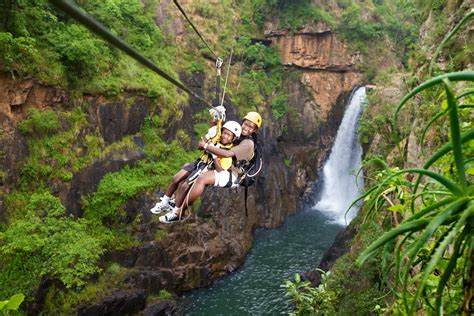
(216, 238)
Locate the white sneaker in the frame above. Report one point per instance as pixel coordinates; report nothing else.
(161, 206)
(170, 217)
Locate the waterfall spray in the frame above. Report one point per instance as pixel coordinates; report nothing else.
(340, 186)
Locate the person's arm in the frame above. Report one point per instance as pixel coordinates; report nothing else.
(217, 165)
(226, 153)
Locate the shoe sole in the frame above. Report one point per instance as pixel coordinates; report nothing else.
(161, 211)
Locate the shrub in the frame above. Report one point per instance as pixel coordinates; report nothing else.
(354, 28)
(40, 123)
(17, 53)
(308, 300)
(279, 106)
(46, 244)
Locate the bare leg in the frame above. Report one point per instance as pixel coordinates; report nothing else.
(207, 178)
(177, 178)
(182, 192)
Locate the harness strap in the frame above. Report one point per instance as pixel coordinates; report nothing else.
(246, 209)
(229, 183)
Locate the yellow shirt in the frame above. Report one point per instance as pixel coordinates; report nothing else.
(226, 163)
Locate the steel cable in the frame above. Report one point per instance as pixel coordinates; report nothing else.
(194, 28)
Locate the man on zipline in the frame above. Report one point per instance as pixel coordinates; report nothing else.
(241, 153)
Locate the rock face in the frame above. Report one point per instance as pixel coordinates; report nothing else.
(315, 51)
(120, 303)
(215, 240)
(327, 67)
(85, 182)
(17, 96)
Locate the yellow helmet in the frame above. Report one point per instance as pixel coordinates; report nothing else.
(254, 117)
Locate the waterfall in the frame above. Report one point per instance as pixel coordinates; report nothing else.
(340, 186)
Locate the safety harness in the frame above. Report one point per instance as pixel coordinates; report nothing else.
(248, 170)
(204, 163)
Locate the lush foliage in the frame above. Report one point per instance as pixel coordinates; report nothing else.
(13, 303)
(310, 300)
(354, 27)
(55, 152)
(279, 106)
(38, 40)
(263, 77)
(295, 14)
(372, 27)
(67, 301)
(47, 244)
(435, 236)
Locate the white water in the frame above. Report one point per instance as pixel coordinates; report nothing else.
(341, 187)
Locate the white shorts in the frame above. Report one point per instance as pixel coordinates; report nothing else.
(222, 179)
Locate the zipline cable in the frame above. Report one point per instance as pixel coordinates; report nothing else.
(94, 26)
(227, 75)
(194, 28)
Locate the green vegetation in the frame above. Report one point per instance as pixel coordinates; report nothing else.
(292, 15)
(448, 36)
(435, 234)
(67, 301)
(36, 39)
(40, 243)
(12, 304)
(118, 187)
(309, 300)
(55, 153)
(338, 293)
(354, 27)
(264, 76)
(161, 296)
(279, 106)
(424, 261)
(372, 26)
(40, 123)
(47, 244)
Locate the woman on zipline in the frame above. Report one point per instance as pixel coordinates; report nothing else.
(242, 152)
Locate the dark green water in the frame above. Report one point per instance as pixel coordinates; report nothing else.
(277, 255)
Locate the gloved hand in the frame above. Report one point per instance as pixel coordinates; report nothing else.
(218, 112)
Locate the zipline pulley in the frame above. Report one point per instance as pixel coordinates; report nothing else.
(219, 62)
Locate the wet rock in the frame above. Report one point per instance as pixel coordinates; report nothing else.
(151, 280)
(340, 246)
(13, 149)
(116, 121)
(164, 308)
(118, 303)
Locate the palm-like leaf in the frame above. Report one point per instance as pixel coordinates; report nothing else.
(446, 222)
